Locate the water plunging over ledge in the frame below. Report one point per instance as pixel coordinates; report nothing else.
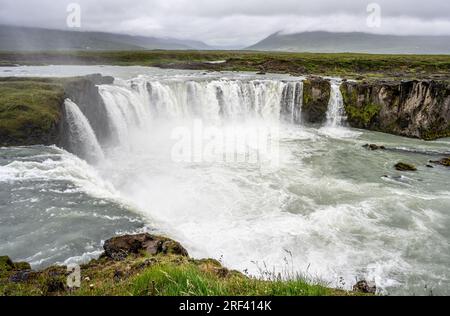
(336, 116)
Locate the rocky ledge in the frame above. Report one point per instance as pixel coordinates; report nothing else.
(31, 109)
(146, 264)
(417, 109)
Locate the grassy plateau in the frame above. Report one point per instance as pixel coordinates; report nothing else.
(342, 64)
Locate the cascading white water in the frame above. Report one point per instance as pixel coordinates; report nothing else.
(135, 104)
(292, 101)
(82, 137)
(336, 116)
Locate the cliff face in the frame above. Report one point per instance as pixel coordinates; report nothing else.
(316, 94)
(84, 92)
(419, 109)
(30, 111)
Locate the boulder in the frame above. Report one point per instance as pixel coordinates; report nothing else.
(118, 248)
(443, 162)
(316, 95)
(401, 166)
(374, 147)
(365, 287)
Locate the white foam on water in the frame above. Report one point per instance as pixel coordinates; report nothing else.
(61, 166)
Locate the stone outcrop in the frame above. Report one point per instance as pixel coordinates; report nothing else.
(418, 109)
(401, 166)
(316, 95)
(374, 147)
(365, 287)
(118, 248)
(443, 162)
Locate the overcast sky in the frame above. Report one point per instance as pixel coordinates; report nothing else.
(232, 22)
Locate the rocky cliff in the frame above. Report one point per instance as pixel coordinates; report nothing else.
(84, 92)
(31, 109)
(316, 94)
(419, 109)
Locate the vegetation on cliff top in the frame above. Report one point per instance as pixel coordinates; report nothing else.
(145, 265)
(29, 110)
(349, 65)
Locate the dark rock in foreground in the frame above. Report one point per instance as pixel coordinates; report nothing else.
(118, 248)
(365, 287)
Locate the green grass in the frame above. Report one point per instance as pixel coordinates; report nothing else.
(29, 109)
(188, 280)
(344, 64)
(168, 278)
(161, 275)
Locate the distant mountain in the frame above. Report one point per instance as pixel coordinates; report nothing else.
(327, 42)
(14, 38)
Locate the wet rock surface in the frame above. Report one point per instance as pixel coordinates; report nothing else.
(118, 248)
(365, 287)
(443, 162)
(316, 95)
(402, 166)
(374, 147)
(418, 109)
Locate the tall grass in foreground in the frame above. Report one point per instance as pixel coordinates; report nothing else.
(189, 280)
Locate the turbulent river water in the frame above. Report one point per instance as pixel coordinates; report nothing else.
(316, 202)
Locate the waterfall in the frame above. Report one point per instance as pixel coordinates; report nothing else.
(137, 103)
(82, 139)
(336, 116)
(292, 101)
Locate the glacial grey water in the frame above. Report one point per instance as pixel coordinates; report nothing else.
(341, 211)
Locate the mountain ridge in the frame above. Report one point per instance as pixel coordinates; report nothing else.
(353, 42)
(22, 38)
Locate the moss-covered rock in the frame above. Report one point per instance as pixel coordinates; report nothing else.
(402, 166)
(118, 248)
(316, 96)
(419, 109)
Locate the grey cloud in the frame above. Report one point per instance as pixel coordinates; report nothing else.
(231, 22)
